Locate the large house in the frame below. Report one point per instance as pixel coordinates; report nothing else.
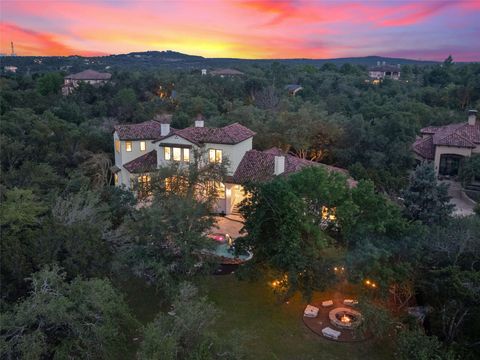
(447, 145)
(144, 147)
(92, 77)
(383, 71)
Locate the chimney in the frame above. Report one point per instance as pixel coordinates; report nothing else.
(279, 165)
(472, 117)
(164, 129)
(199, 121)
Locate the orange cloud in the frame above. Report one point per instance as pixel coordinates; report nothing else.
(29, 42)
(413, 13)
(225, 28)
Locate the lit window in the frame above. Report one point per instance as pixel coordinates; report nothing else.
(144, 186)
(176, 184)
(329, 213)
(217, 188)
(177, 154)
(215, 156)
(143, 146)
(220, 187)
(117, 146)
(167, 153)
(128, 146)
(186, 155)
(116, 179)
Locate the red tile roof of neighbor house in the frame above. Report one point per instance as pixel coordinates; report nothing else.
(147, 130)
(456, 135)
(424, 147)
(259, 166)
(89, 75)
(142, 164)
(230, 134)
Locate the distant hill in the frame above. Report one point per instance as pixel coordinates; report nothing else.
(175, 60)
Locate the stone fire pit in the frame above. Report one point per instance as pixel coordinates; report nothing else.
(345, 318)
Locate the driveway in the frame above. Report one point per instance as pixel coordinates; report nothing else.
(231, 224)
(463, 207)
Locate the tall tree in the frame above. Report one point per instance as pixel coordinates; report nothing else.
(81, 319)
(425, 199)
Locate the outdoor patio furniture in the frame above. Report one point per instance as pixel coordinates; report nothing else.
(330, 333)
(327, 303)
(310, 311)
(350, 302)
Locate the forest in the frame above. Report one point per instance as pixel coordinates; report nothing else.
(70, 238)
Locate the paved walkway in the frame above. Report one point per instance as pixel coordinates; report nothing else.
(231, 225)
(462, 206)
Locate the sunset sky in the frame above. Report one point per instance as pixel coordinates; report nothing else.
(245, 29)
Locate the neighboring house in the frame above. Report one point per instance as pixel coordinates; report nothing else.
(12, 69)
(226, 73)
(144, 147)
(447, 145)
(92, 77)
(293, 89)
(384, 71)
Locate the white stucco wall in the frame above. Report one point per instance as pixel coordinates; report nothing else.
(172, 140)
(125, 156)
(440, 150)
(234, 153)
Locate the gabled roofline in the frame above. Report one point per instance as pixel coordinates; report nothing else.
(173, 133)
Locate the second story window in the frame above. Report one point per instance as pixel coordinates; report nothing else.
(143, 146)
(176, 154)
(117, 146)
(167, 153)
(128, 146)
(215, 156)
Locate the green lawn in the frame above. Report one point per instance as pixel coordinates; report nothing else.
(277, 330)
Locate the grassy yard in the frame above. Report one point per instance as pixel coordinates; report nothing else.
(277, 330)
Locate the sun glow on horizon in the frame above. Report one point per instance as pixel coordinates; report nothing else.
(244, 29)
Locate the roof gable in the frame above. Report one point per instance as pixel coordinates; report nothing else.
(142, 164)
(148, 130)
(424, 147)
(259, 166)
(231, 134)
(459, 135)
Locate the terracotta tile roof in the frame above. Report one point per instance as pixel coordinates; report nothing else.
(230, 134)
(89, 75)
(148, 130)
(453, 139)
(424, 147)
(259, 166)
(142, 164)
(385, 68)
(460, 135)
